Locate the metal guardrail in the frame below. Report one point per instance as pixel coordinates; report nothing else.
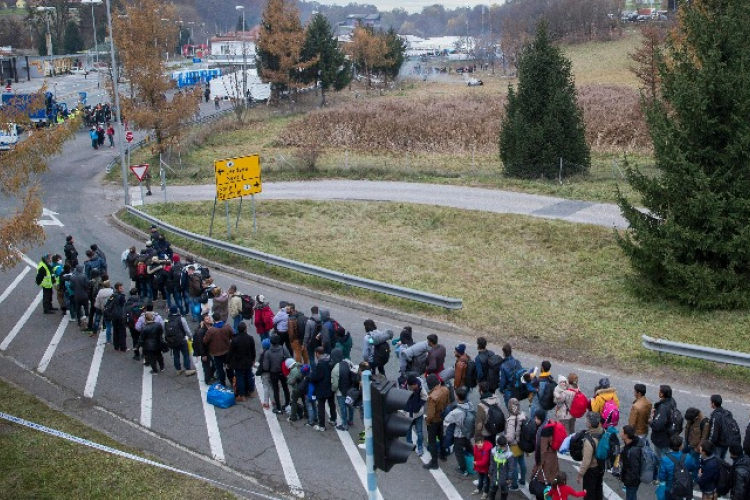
(320, 272)
(696, 351)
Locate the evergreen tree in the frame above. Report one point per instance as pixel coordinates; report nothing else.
(240, 26)
(543, 121)
(692, 240)
(73, 38)
(330, 65)
(395, 54)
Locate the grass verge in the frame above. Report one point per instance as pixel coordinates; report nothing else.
(39, 466)
(548, 286)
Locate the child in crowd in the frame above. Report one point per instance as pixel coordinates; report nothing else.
(502, 468)
(560, 489)
(482, 453)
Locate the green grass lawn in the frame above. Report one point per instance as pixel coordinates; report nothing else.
(38, 466)
(558, 288)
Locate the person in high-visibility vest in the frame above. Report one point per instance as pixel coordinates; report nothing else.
(46, 280)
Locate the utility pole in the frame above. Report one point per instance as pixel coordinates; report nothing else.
(116, 90)
(244, 58)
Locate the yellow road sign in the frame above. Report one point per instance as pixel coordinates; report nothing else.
(237, 177)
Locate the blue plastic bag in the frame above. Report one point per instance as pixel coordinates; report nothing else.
(220, 396)
(196, 309)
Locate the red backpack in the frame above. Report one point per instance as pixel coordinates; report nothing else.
(558, 434)
(580, 404)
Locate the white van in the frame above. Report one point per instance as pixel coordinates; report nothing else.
(8, 136)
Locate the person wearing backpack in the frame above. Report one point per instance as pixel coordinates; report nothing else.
(463, 416)
(437, 400)
(675, 472)
(342, 375)
(544, 394)
(740, 473)
(413, 358)
(234, 306)
(490, 417)
(273, 361)
(414, 409)
(263, 318)
(746, 442)
(502, 469)
(373, 337)
(151, 340)
(563, 398)
(104, 293)
(116, 314)
(297, 322)
(661, 421)
(201, 352)
(482, 363)
(630, 461)
(312, 337)
(93, 263)
(323, 389)
(435, 356)
(591, 472)
(720, 424)
(513, 426)
(696, 431)
(176, 333)
(241, 358)
(217, 340)
(603, 394)
(640, 412)
(194, 291)
(461, 368)
(708, 471)
(173, 285)
(546, 464)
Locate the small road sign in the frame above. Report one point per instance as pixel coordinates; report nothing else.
(237, 177)
(129, 137)
(139, 170)
(8, 88)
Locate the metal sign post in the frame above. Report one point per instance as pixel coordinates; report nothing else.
(255, 221)
(213, 214)
(239, 210)
(226, 208)
(372, 479)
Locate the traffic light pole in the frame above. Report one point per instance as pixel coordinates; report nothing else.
(372, 480)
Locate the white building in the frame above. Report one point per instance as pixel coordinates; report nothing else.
(231, 45)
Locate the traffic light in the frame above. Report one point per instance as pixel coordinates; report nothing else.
(388, 425)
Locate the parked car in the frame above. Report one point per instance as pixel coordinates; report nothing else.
(79, 71)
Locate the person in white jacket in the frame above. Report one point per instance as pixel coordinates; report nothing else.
(101, 298)
(563, 398)
(415, 409)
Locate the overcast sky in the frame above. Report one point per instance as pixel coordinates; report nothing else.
(410, 6)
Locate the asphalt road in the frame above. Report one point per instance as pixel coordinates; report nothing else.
(165, 414)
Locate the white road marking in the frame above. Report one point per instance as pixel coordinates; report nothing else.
(96, 363)
(357, 461)
(53, 345)
(282, 450)
(609, 493)
(53, 221)
(440, 478)
(15, 283)
(27, 260)
(22, 321)
(212, 426)
(146, 397)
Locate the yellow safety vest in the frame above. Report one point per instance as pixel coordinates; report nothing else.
(47, 281)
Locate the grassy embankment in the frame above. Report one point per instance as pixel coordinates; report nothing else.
(437, 131)
(39, 466)
(556, 288)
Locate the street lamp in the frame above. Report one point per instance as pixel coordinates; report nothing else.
(118, 116)
(93, 21)
(48, 37)
(244, 57)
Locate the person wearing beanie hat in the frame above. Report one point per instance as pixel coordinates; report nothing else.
(514, 424)
(603, 394)
(265, 376)
(438, 399)
(461, 367)
(176, 333)
(640, 412)
(241, 358)
(563, 398)
(542, 384)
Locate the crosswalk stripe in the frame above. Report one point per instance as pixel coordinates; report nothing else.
(15, 283)
(146, 397)
(96, 363)
(212, 427)
(440, 478)
(53, 345)
(356, 459)
(22, 321)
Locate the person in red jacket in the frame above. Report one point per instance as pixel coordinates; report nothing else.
(482, 453)
(263, 318)
(560, 489)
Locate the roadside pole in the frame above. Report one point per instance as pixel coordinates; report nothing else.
(372, 480)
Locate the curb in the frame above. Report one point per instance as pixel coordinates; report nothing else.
(309, 292)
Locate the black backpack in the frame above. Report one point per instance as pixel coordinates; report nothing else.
(382, 353)
(547, 396)
(112, 308)
(527, 439)
(675, 423)
(493, 371)
(495, 421)
(576, 445)
(682, 482)
(470, 380)
(248, 303)
(173, 333)
(724, 481)
(730, 431)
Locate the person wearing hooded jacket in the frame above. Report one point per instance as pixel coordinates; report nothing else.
(151, 339)
(486, 401)
(563, 399)
(630, 461)
(413, 359)
(235, 307)
(241, 358)
(461, 442)
(372, 338)
(604, 392)
(312, 338)
(696, 430)
(740, 473)
(263, 318)
(80, 286)
(513, 425)
(414, 409)
(272, 363)
(342, 375)
(296, 331)
(502, 468)
(344, 342)
(546, 465)
(660, 417)
(321, 379)
(437, 399)
(217, 340)
(265, 377)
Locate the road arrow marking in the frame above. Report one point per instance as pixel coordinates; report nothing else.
(53, 221)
